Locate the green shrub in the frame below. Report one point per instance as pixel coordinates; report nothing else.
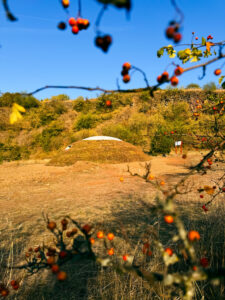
(81, 105)
(161, 143)
(8, 99)
(46, 139)
(85, 121)
(9, 152)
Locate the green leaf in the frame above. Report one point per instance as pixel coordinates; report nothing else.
(223, 85)
(221, 79)
(118, 3)
(203, 41)
(160, 52)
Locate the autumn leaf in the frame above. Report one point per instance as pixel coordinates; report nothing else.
(209, 190)
(208, 45)
(221, 79)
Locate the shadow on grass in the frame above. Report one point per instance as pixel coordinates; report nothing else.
(88, 281)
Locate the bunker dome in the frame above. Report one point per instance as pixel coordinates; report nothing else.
(100, 149)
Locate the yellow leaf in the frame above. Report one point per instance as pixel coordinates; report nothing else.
(188, 51)
(173, 55)
(194, 59)
(19, 107)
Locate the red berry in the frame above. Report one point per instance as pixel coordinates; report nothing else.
(178, 71)
(62, 254)
(72, 22)
(196, 38)
(126, 78)
(127, 66)
(169, 251)
(204, 262)
(201, 196)
(174, 80)
(159, 79)
(177, 37)
(165, 76)
(217, 72)
(65, 3)
(170, 32)
(205, 208)
(108, 103)
(75, 29)
(62, 26)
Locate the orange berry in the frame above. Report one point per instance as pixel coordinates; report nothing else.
(110, 236)
(51, 225)
(92, 240)
(127, 66)
(111, 251)
(72, 22)
(217, 72)
(194, 268)
(168, 219)
(159, 79)
(193, 235)
(64, 222)
(65, 3)
(169, 251)
(37, 249)
(178, 71)
(74, 230)
(165, 76)
(174, 80)
(162, 183)
(100, 234)
(55, 268)
(4, 292)
(150, 177)
(121, 179)
(108, 103)
(125, 257)
(75, 29)
(51, 260)
(61, 275)
(126, 78)
(146, 247)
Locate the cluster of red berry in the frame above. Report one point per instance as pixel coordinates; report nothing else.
(125, 72)
(172, 32)
(103, 42)
(76, 24)
(164, 77)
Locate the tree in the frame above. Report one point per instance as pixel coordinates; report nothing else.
(209, 87)
(193, 86)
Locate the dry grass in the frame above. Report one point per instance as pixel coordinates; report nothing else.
(100, 152)
(93, 193)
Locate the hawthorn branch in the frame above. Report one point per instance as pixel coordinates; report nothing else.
(9, 15)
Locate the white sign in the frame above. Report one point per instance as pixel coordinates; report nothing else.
(178, 143)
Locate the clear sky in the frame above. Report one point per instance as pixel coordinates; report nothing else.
(35, 53)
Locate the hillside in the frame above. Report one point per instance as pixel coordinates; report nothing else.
(151, 123)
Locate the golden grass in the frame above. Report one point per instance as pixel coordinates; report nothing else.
(100, 152)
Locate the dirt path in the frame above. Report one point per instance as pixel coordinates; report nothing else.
(28, 188)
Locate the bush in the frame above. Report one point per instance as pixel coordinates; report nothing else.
(193, 86)
(161, 143)
(9, 152)
(211, 86)
(46, 138)
(8, 99)
(81, 105)
(85, 121)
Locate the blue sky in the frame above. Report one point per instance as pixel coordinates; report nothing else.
(35, 53)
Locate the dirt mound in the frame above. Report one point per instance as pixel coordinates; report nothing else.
(99, 151)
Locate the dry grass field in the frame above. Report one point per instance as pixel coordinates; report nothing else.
(93, 193)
